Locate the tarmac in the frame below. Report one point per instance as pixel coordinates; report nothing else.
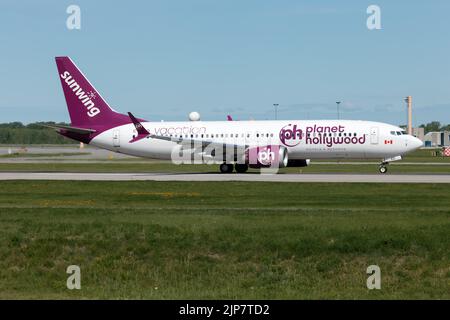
(362, 178)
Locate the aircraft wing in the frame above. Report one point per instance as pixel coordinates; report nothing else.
(197, 142)
(185, 142)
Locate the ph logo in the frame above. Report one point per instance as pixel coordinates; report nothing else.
(290, 136)
(266, 156)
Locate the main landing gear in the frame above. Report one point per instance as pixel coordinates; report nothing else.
(241, 168)
(228, 168)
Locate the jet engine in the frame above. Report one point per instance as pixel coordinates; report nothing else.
(266, 156)
(298, 162)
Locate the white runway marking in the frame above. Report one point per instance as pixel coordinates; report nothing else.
(376, 178)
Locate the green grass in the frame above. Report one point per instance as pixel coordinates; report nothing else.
(426, 155)
(232, 240)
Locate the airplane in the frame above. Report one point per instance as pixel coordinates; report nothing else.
(234, 145)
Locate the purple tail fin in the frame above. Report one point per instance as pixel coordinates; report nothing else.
(86, 106)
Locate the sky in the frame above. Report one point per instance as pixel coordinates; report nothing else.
(164, 59)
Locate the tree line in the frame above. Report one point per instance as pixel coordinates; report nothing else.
(33, 133)
(434, 126)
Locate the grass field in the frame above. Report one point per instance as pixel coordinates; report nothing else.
(189, 240)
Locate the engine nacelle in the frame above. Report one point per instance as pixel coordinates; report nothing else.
(266, 156)
(298, 162)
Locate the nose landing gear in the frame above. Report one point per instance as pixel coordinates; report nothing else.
(383, 168)
(383, 165)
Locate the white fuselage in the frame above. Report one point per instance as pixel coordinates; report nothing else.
(304, 139)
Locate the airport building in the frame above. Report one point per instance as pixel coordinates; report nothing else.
(419, 133)
(437, 139)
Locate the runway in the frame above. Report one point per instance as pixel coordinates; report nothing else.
(364, 178)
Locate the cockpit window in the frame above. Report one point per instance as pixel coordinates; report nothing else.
(398, 133)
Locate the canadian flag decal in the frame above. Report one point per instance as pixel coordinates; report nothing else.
(388, 142)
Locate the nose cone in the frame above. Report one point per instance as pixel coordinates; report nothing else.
(414, 143)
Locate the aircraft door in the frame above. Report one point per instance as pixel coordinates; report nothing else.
(116, 138)
(374, 135)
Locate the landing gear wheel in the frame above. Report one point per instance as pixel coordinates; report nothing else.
(241, 168)
(383, 169)
(226, 168)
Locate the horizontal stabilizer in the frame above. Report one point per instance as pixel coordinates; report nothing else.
(69, 128)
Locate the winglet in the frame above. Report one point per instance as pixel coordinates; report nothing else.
(142, 132)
